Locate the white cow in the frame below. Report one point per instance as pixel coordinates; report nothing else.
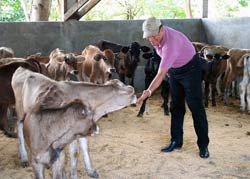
(54, 113)
(245, 84)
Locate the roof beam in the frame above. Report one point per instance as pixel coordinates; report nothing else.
(204, 8)
(73, 9)
(88, 7)
(79, 9)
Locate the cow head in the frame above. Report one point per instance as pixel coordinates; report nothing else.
(127, 59)
(61, 65)
(217, 62)
(208, 52)
(110, 59)
(98, 65)
(152, 64)
(6, 52)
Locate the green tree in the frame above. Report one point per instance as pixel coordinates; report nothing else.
(229, 8)
(11, 10)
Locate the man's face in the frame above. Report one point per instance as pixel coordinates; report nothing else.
(155, 40)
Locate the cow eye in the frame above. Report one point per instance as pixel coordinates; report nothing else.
(210, 57)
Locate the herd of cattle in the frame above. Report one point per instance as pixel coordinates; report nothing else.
(59, 98)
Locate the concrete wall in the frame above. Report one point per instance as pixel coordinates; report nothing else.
(230, 32)
(72, 36)
(27, 38)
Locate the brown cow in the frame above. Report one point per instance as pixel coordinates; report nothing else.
(7, 99)
(6, 52)
(38, 56)
(233, 70)
(219, 65)
(97, 66)
(127, 58)
(56, 113)
(244, 85)
(61, 65)
(199, 45)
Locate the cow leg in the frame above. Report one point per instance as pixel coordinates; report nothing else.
(58, 167)
(3, 118)
(213, 94)
(148, 80)
(122, 78)
(218, 85)
(84, 146)
(142, 108)
(38, 170)
(11, 122)
(238, 80)
(248, 98)
(21, 145)
(235, 88)
(132, 81)
(226, 94)
(243, 85)
(73, 152)
(206, 93)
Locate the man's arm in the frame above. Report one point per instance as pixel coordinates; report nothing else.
(154, 84)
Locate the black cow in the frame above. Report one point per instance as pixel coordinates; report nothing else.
(7, 98)
(126, 57)
(210, 72)
(151, 69)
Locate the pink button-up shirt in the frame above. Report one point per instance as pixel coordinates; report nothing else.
(175, 49)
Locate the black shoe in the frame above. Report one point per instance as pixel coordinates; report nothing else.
(173, 145)
(204, 153)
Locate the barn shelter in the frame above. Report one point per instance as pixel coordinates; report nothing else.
(73, 36)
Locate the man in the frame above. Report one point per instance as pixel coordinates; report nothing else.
(179, 60)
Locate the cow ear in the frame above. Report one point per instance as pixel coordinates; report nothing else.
(147, 55)
(225, 57)
(70, 58)
(50, 98)
(145, 48)
(124, 49)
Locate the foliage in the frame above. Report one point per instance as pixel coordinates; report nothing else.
(55, 14)
(11, 10)
(229, 8)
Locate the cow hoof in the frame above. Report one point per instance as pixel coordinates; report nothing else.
(10, 134)
(139, 115)
(133, 105)
(25, 164)
(166, 113)
(93, 174)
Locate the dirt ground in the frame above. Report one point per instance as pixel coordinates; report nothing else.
(128, 147)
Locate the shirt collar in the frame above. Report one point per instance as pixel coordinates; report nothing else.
(164, 38)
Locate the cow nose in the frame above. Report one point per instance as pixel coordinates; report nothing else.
(109, 75)
(112, 70)
(74, 72)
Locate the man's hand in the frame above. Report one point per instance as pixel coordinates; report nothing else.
(145, 94)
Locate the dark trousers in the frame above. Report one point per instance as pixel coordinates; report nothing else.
(185, 83)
